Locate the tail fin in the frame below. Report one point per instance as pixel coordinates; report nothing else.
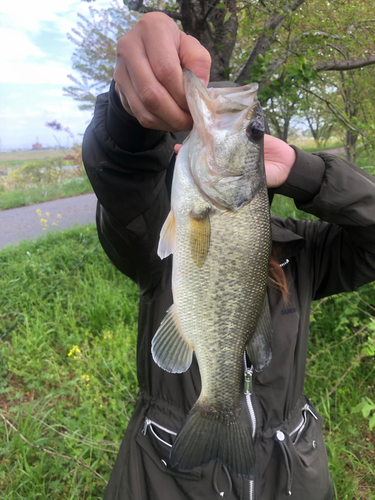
(209, 435)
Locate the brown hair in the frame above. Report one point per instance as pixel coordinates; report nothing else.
(276, 276)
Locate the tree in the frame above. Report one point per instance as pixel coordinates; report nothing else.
(289, 47)
(94, 58)
(321, 122)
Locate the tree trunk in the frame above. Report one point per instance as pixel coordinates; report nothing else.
(350, 145)
(207, 25)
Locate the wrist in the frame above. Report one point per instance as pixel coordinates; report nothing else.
(305, 177)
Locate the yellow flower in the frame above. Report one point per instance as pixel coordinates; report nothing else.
(74, 350)
(38, 211)
(59, 216)
(47, 214)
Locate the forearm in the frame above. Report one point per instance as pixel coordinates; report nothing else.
(128, 168)
(342, 243)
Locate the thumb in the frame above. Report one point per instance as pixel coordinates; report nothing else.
(195, 57)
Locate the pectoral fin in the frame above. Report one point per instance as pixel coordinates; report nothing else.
(259, 347)
(167, 237)
(200, 233)
(169, 347)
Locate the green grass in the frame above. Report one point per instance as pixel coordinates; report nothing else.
(18, 157)
(339, 375)
(310, 146)
(30, 196)
(76, 405)
(68, 373)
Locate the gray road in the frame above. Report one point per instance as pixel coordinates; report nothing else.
(25, 222)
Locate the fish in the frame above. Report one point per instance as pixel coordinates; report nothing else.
(219, 232)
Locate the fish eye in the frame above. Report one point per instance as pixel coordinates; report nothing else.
(255, 130)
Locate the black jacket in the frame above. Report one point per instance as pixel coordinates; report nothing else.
(131, 169)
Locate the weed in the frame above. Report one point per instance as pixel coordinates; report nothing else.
(68, 371)
(75, 406)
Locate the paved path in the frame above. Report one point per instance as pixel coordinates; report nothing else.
(26, 222)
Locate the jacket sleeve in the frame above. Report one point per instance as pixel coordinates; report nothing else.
(340, 246)
(129, 168)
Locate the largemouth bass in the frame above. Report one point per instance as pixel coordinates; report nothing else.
(218, 230)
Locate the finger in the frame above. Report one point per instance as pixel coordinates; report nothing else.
(177, 148)
(163, 56)
(131, 102)
(123, 99)
(186, 53)
(153, 42)
(195, 57)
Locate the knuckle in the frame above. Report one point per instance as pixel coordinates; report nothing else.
(200, 51)
(145, 119)
(166, 70)
(123, 46)
(149, 97)
(181, 123)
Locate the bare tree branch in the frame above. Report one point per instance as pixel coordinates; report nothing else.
(252, 4)
(323, 34)
(139, 5)
(339, 115)
(339, 49)
(344, 65)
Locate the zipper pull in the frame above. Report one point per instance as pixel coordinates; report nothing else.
(312, 413)
(248, 386)
(145, 425)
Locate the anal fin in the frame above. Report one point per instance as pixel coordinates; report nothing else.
(259, 347)
(169, 348)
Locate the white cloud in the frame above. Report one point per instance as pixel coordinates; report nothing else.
(35, 61)
(33, 72)
(16, 46)
(21, 23)
(28, 15)
(54, 92)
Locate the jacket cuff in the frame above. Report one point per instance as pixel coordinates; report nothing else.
(125, 130)
(305, 179)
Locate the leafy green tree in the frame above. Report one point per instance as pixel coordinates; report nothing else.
(289, 46)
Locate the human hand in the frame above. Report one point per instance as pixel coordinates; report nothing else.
(148, 74)
(279, 159)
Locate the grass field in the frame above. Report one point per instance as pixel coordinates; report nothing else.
(41, 154)
(33, 195)
(68, 374)
(309, 145)
(46, 177)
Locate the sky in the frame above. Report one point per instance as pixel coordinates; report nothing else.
(35, 59)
